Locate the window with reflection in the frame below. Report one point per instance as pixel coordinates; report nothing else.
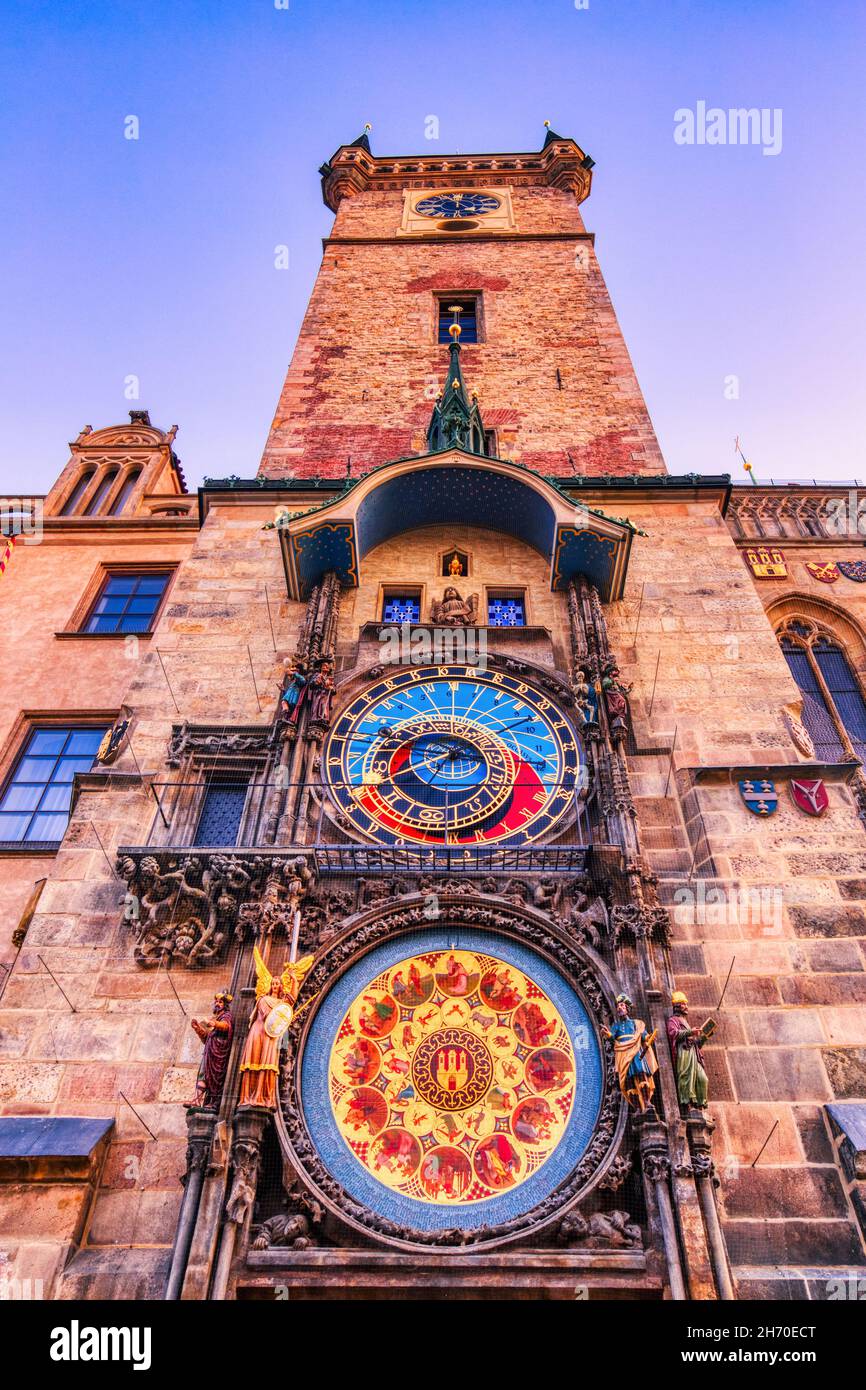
(834, 710)
(34, 806)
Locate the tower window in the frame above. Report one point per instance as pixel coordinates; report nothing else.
(222, 812)
(34, 807)
(101, 493)
(468, 319)
(75, 496)
(506, 610)
(125, 492)
(127, 603)
(404, 607)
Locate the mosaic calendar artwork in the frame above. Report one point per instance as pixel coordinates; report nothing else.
(452, 1077)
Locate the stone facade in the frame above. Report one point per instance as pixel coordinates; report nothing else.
(136, 925)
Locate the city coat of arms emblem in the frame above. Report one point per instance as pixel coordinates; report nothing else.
(853, 569)
(766, 562)
(810, 794)
(827, 573)
(759, 795)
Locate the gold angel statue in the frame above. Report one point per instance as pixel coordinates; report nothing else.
(270, 1019)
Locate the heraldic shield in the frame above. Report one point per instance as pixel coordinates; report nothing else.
(810, 794)
(760, 796)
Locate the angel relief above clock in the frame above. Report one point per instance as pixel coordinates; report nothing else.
(453, 755)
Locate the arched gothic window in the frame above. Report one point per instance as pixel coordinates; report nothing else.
(834, 710)
(96, 502)
(75, 496)
(125, 492)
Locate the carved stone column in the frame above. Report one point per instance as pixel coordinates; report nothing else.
(700, 1130)
(656, 1164)
(200, 1127)
(246, 1152)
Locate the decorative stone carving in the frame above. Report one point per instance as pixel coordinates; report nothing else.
(616, 1174)
(645, 921)
(202, 742)
(800, 736)
(657, 1166)
(613, 1230)
(185, 907)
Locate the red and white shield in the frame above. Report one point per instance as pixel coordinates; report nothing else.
(810, 794)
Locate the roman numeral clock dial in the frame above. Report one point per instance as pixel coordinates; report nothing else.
(453, 755)
(452, 206)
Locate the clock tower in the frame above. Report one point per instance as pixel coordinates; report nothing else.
(501, 236)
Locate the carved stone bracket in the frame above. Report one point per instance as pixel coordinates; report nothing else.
(641, 922)
(186, 906)
(205, 741)
(246, 1152)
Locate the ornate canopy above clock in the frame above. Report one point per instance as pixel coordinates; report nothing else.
(455, 210)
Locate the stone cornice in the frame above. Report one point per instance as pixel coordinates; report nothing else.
(353, 169)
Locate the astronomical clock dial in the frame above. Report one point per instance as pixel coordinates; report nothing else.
(452, 755)
(453, 206)
(451, 1083)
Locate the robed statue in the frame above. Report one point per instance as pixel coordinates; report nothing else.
(269, 1023)
(633, 1054)
(452, 611)
(216, 1033)
(686, 1049)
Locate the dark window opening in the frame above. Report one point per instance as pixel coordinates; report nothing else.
(101, 493)
(126, 491)
(468, 318)
(222, 811)
(77, 493)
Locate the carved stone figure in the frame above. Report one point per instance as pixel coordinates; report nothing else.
(270, 1020)
(322, 688)
(633, 1054)
(601, 1231)
(292, 1229)
(186, 909)
(686, 1044)
(216, 1033)
(616, 699)
(589, 921)
(452, 611)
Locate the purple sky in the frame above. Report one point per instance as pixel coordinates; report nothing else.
(155, 257)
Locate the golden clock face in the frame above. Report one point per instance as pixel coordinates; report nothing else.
(452, 1077)
(453, 755)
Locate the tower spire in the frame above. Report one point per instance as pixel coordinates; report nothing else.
(456, 420)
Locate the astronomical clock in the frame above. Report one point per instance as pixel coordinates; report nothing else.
(451, 1077)
(453, 755)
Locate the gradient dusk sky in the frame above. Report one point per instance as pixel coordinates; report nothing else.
(155, 257)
